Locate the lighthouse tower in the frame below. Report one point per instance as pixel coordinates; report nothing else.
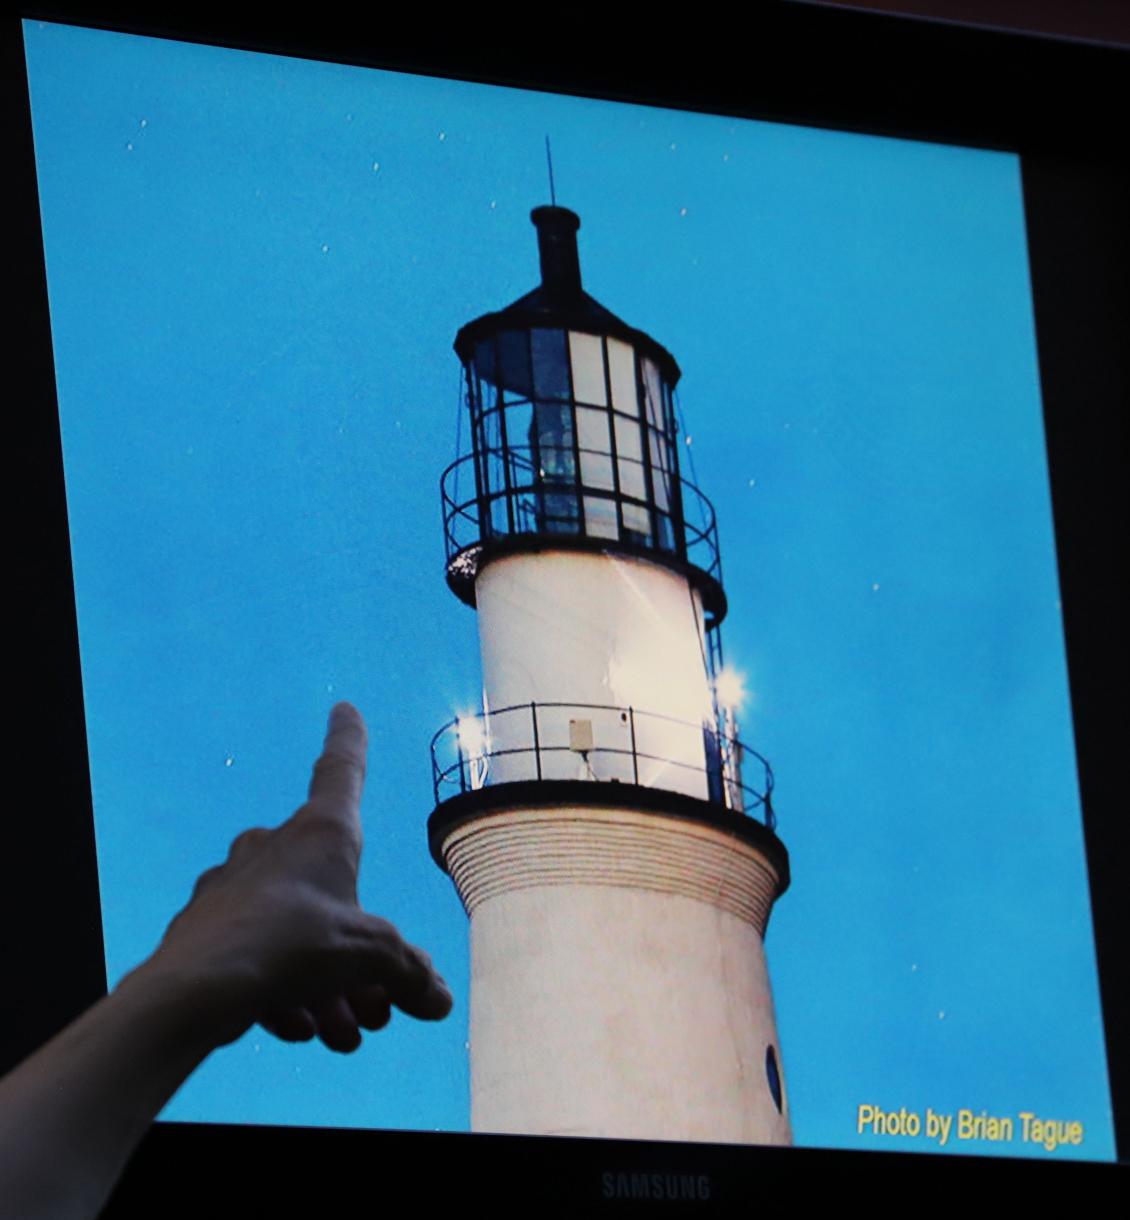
(612, 842)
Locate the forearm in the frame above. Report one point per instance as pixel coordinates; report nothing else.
(72, 1114)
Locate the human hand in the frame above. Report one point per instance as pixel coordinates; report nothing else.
(275, 935)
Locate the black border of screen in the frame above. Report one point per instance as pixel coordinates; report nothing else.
(1058, 104)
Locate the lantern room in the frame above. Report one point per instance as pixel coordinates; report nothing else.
(573, 436)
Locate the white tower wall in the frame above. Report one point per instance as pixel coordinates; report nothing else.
(568, 627)
(619, 985)
(619, 980)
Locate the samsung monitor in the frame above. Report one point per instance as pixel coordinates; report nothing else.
(700, 467)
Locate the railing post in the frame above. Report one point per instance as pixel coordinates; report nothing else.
(537, 743)
(635, 759)
(462, 771)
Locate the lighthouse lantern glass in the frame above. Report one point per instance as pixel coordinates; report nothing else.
(622, 375)
(517, 376)
(551, 364)
(573, 433)
(587, 358)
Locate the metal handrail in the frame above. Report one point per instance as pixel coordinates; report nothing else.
(446, 776)
(699, 537)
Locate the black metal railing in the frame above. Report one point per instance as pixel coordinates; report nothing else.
(543, 741)
(528, 502)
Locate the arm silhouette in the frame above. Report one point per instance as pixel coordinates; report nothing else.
(273, 935)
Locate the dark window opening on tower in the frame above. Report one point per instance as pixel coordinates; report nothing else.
(773, 1073)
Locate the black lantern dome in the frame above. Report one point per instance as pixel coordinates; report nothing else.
(573, 437)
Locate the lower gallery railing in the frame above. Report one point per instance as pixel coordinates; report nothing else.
(595, 742)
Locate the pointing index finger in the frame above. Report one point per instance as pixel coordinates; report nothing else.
(339, 772)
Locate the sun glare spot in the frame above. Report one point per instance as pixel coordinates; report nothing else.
(469, 730)
(729, 686)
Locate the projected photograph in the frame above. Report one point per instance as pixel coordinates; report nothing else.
(669, 492)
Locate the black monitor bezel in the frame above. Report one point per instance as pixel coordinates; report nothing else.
(1055, 103)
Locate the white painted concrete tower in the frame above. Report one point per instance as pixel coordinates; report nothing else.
(617, 865)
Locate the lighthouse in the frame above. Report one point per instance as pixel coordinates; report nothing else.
(612, 841)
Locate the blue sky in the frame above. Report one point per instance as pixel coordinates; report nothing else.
(256, 269)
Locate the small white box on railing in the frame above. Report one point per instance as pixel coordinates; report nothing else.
(580, 736)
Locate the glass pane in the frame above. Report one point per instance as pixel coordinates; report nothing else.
(660, 479)
(492, 432)
(622, 373)
(600, 517)
(526, 513)
(592, 429)
(637, 520)
(596, 470)
(555, 465)
(632, 482)
(653, 393)
(498, 519)
(514, 354)
(659, 451)
(496, 478)
(519, 424)
(486, 395)
(522, 470)
(668, 411)
(557, 512)
(551, 434)
(551, 364)
(666, 534)
(587, 357)
(628, 438)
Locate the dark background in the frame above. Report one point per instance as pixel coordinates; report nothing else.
(1100, 21)
(1060, 102)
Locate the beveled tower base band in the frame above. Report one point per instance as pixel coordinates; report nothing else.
(517, 849)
